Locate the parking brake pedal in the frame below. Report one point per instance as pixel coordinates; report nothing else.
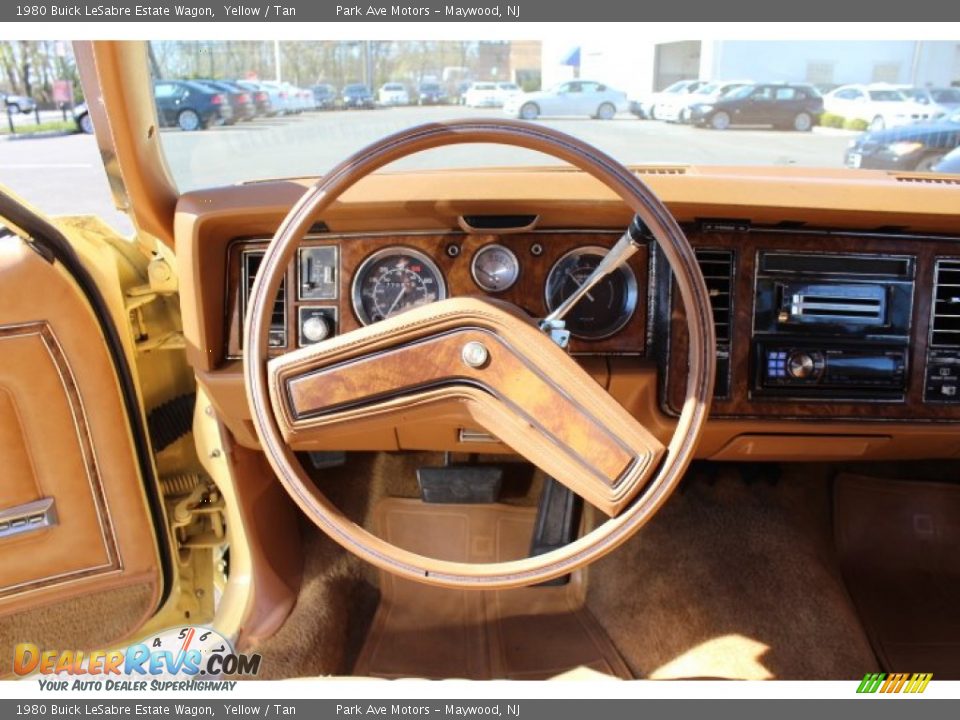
(558, 518)
(472, 484)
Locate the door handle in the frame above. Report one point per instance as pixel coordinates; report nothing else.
(28, 517)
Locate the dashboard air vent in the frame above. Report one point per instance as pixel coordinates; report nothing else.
(717, 268)
(661, 170)
(945, 323)
(928, 179)
(251, 260)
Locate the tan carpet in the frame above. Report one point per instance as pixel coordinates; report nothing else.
(729, 580)
(734, 580)
(899, 545)
(521, 634)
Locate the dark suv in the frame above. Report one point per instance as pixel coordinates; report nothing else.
(786, 106)
(190, 105)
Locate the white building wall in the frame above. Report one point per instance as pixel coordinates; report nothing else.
(631, 68)
(626, 68)
(927, 62)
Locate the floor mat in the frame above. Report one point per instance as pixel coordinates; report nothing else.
(899, 546)
(734, 579)
(525, 633)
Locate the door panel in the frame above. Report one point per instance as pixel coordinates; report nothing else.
(79, 561)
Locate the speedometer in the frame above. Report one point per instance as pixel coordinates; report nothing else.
(393, 280)
(609, 305)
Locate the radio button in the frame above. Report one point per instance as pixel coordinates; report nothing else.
(801, 365)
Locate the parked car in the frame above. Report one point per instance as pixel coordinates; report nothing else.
(81, 116)
(303, 97)
(677, 108)
(190, 105)
(357, 95)
(460, 95)
(942, 101)
(879, 105)
(575, 97)
(645, 107)
(266, 97)
(324, 96)
(786, 106)
(286, 103)
(482, 94)
(507, 90)
(431, 93)
(914, 147)
(241, 103)
(17, 103)
(393, 93)
(950, 163)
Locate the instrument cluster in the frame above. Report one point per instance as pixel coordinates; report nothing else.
(344, 282)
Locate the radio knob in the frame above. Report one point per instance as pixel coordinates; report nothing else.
(801, 365)
(315, 328)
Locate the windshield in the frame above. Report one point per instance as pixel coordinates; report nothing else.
(739, 93)
(614, 98)
(887, 96)
(950, 95)
(678, 87)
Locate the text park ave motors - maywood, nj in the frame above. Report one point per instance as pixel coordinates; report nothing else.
(455, 11)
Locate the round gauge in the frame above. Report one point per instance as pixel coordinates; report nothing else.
(495, 268)
(608, 306)
(393, 280)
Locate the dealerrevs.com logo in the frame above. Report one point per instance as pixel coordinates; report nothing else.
(188, 658)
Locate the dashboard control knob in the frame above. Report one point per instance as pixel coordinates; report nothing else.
(801, 365)
(315, 328)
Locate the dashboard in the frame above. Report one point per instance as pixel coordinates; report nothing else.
(832, 342)
(340, 282)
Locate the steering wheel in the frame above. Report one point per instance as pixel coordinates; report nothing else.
(476, 360)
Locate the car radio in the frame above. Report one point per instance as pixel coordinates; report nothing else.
(833, 327)
(819, 370)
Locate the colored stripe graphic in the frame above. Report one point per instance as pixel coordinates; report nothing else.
(914, 683)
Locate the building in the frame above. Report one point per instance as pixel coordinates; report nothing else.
(649, 65)
(526, 59)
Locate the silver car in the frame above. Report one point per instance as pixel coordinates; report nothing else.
(17, 103)
(941, 101)
(574, 97)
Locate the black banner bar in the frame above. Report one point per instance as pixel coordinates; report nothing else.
(538, 11)
(872, 708)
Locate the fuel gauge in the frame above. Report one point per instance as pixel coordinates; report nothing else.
(495, 268)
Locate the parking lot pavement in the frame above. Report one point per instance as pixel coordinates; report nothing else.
(65, 175)
(60, 176)
(312, 143)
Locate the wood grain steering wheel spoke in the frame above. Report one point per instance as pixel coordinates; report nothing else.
(492, 363)
(481, 361)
